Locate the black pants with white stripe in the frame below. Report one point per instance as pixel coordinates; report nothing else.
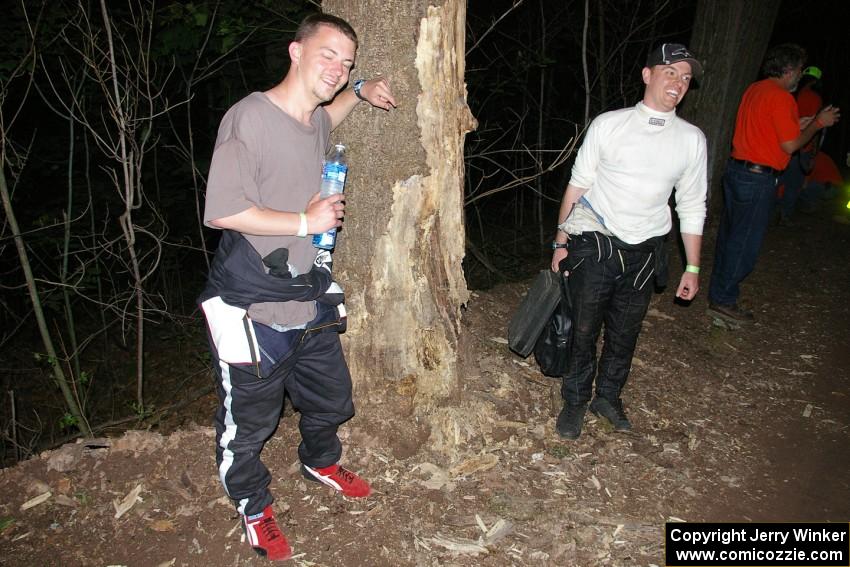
(314, 374)
(611, 286)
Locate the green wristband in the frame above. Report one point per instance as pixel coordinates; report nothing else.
(692, 269)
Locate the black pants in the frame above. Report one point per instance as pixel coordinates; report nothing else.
(611, 286)
(314, 374)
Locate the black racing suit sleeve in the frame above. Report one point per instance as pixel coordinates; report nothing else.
(238, 275)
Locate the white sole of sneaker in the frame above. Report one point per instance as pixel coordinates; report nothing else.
(310, 474)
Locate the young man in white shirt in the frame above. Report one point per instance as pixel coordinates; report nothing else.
(612, 223)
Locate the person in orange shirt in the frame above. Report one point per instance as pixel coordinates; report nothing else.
(822, 183)
(768, 131)
(809, 102)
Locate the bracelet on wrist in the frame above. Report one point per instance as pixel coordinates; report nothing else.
(692, 269)
(302, 227)
(818, 123)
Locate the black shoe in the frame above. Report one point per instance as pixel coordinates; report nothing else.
(732, 313)
(612, 411)
(570, 420)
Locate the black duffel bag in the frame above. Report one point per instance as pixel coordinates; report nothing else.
(534, 311)
(552, 349)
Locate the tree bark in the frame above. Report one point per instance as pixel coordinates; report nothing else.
(731, 38)
(399, 255)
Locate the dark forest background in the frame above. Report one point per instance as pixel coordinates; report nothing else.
(105, 153)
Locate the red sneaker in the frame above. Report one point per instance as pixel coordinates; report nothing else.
(265, 537)
(340, 479)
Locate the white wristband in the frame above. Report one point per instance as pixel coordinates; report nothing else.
(302, 228)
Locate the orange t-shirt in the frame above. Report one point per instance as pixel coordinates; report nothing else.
(825, 170)
(767, 116)
(808, 102)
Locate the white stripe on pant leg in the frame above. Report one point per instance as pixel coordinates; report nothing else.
(645, 264)
(229, 426)
(598, 248)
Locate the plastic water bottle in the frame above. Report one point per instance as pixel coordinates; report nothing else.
(334, 170)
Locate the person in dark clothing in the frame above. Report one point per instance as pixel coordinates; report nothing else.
(809, 99)
(613, 220)
(272, 308)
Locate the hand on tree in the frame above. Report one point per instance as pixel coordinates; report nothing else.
(378, 93)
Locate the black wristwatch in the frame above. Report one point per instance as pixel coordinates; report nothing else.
(358, 84)
(556, 245)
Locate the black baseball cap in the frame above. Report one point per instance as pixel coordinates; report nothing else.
(669, 53)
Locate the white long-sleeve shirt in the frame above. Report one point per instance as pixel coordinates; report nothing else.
(630, 161)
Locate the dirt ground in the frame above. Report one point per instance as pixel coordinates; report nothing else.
(730, 425)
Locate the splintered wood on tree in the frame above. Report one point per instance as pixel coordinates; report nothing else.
(400, 254)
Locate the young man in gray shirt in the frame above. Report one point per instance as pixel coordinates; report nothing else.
(273, 311)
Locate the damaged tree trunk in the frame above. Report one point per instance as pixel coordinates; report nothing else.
(399, 256)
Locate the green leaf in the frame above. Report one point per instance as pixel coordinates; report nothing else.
(67, 421)
(201, 19)
(227, 42)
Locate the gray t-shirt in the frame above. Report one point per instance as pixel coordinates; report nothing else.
(265, 158)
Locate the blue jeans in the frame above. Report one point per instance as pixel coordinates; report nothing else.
(792, 180)
(611, 287)
(749, 199)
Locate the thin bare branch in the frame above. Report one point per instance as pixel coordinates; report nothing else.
(515, 5)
